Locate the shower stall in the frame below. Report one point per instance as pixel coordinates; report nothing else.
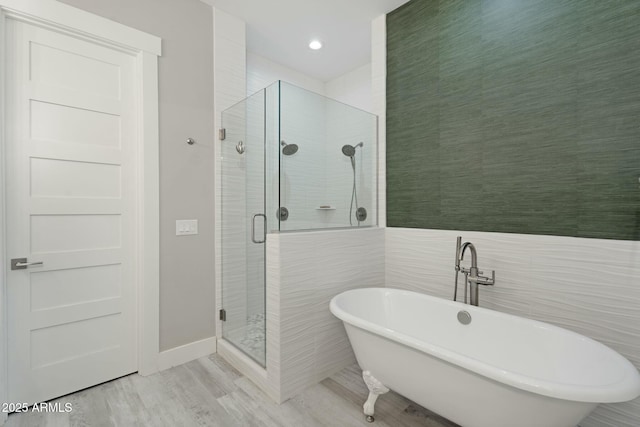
(290, 161)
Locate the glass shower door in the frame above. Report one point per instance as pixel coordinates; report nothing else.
(243, 226)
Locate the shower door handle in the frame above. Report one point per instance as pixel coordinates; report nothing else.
(253, 228)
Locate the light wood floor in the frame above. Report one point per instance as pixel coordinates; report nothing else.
(209, 392)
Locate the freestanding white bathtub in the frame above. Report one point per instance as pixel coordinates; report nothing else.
(497, 371)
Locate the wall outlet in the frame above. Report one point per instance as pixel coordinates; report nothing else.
(185, 227)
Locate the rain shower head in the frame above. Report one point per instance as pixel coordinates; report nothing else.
(350, 150)
(288, 149)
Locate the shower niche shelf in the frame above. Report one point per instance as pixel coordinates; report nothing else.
(325, 208)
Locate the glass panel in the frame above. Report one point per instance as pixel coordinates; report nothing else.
(291, 160)
(243, 229)
(327, 162)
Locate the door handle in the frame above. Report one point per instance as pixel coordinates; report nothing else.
(21, 263)
(253, 228)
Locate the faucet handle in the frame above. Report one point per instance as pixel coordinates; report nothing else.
(489, 281)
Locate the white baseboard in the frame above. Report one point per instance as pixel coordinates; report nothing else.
(186, 353)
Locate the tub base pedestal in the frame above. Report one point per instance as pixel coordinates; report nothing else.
(376, 388)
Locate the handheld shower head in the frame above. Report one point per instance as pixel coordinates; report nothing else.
(361, 213)
(350, 150)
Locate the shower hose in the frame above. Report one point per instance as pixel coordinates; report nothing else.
(354, 194)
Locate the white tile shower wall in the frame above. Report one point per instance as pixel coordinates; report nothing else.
(349, 126)
(305, 119)
(302, 118)
(353, 88)
(339, 176)
(319, 174)
(302, 175)
(255, 202)
(229, 58)
(273, 318)
(261, 72)
(306, 343)
(589, 286)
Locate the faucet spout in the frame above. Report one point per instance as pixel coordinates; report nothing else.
(473, 272)
(474, 254)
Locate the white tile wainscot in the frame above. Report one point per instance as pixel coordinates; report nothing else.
(589, 286)
(305, 342)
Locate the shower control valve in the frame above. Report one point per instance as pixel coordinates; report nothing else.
(487, 281)
(283, 213)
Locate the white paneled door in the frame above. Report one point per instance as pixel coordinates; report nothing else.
(71, 206)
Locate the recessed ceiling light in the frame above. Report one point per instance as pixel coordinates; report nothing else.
(315, 44)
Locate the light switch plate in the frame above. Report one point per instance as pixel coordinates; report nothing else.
(185, 227)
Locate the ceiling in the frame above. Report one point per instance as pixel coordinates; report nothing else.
(280, 30)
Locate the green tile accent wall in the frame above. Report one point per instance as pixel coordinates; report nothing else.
(518, 116)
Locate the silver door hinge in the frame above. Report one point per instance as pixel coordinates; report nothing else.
(223, 315)
(222, 134)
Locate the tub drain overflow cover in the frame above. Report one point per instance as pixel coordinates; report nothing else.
(464, 317)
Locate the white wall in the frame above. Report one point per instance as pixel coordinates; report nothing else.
(353, 88)
(186, 173)
(261, 72)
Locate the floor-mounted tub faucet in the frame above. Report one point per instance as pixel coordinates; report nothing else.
(472, 275)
